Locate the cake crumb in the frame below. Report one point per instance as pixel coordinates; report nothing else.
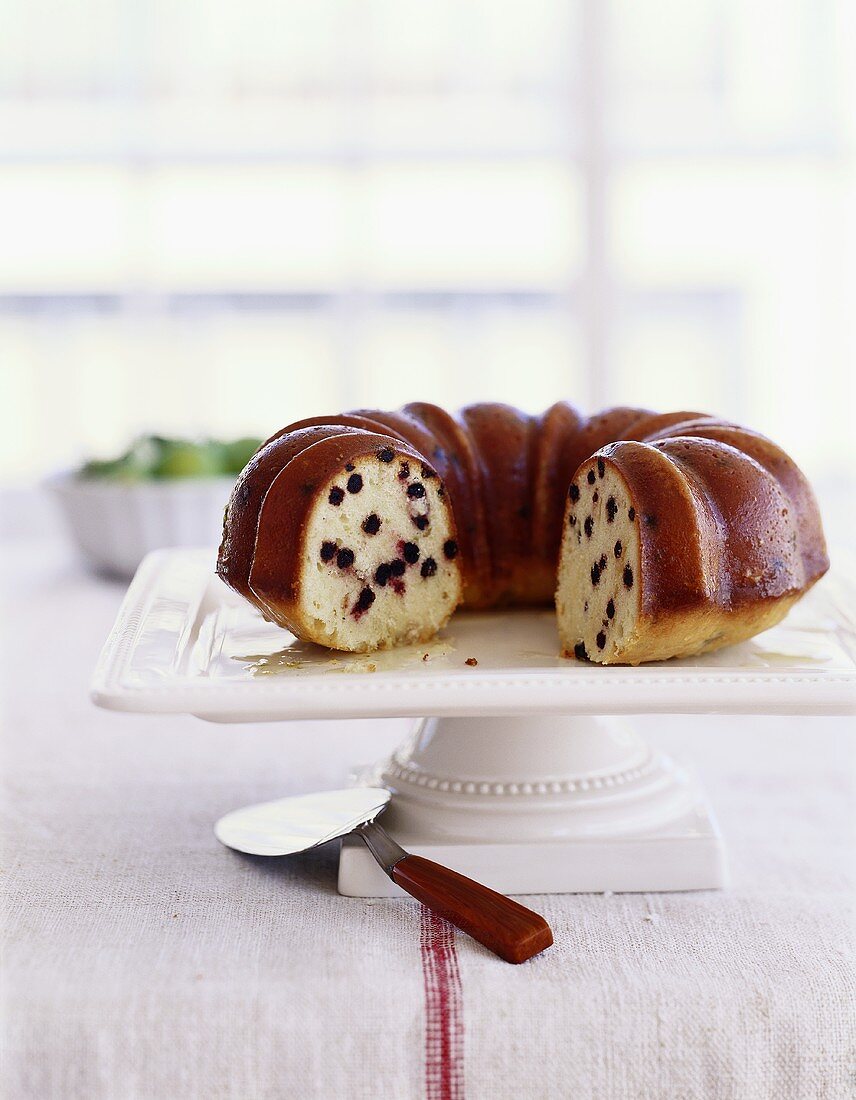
(471, 661)
(371, 668)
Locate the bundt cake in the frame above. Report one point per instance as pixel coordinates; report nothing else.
(659, 535)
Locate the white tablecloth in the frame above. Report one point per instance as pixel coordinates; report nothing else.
(143, 960)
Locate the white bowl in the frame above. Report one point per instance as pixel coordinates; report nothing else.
(114, 525)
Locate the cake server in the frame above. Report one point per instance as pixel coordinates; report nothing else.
(291, 825)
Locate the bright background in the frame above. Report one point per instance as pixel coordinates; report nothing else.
(219, 216)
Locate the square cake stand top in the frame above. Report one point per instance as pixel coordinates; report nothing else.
(184, 643)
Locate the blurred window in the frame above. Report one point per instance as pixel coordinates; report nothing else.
(218, 217)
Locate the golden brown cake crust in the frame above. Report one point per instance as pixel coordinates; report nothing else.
(240, 523)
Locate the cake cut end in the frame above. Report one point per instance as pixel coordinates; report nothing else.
(377, 562)
(600, 570)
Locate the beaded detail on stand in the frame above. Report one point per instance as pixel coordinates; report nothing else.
(406, 773)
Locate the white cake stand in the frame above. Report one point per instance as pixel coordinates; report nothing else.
(525, 774)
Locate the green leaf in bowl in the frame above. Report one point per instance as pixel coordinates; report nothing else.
(155, 457)
(239, 453)
(182, 458)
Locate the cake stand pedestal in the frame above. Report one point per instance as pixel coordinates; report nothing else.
(512, 775)
(541, 804)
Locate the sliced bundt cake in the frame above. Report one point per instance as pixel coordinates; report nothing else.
(679, 533)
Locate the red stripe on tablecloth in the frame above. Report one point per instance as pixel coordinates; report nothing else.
(444, 1015)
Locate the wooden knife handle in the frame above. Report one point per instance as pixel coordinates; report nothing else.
(508, 929)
